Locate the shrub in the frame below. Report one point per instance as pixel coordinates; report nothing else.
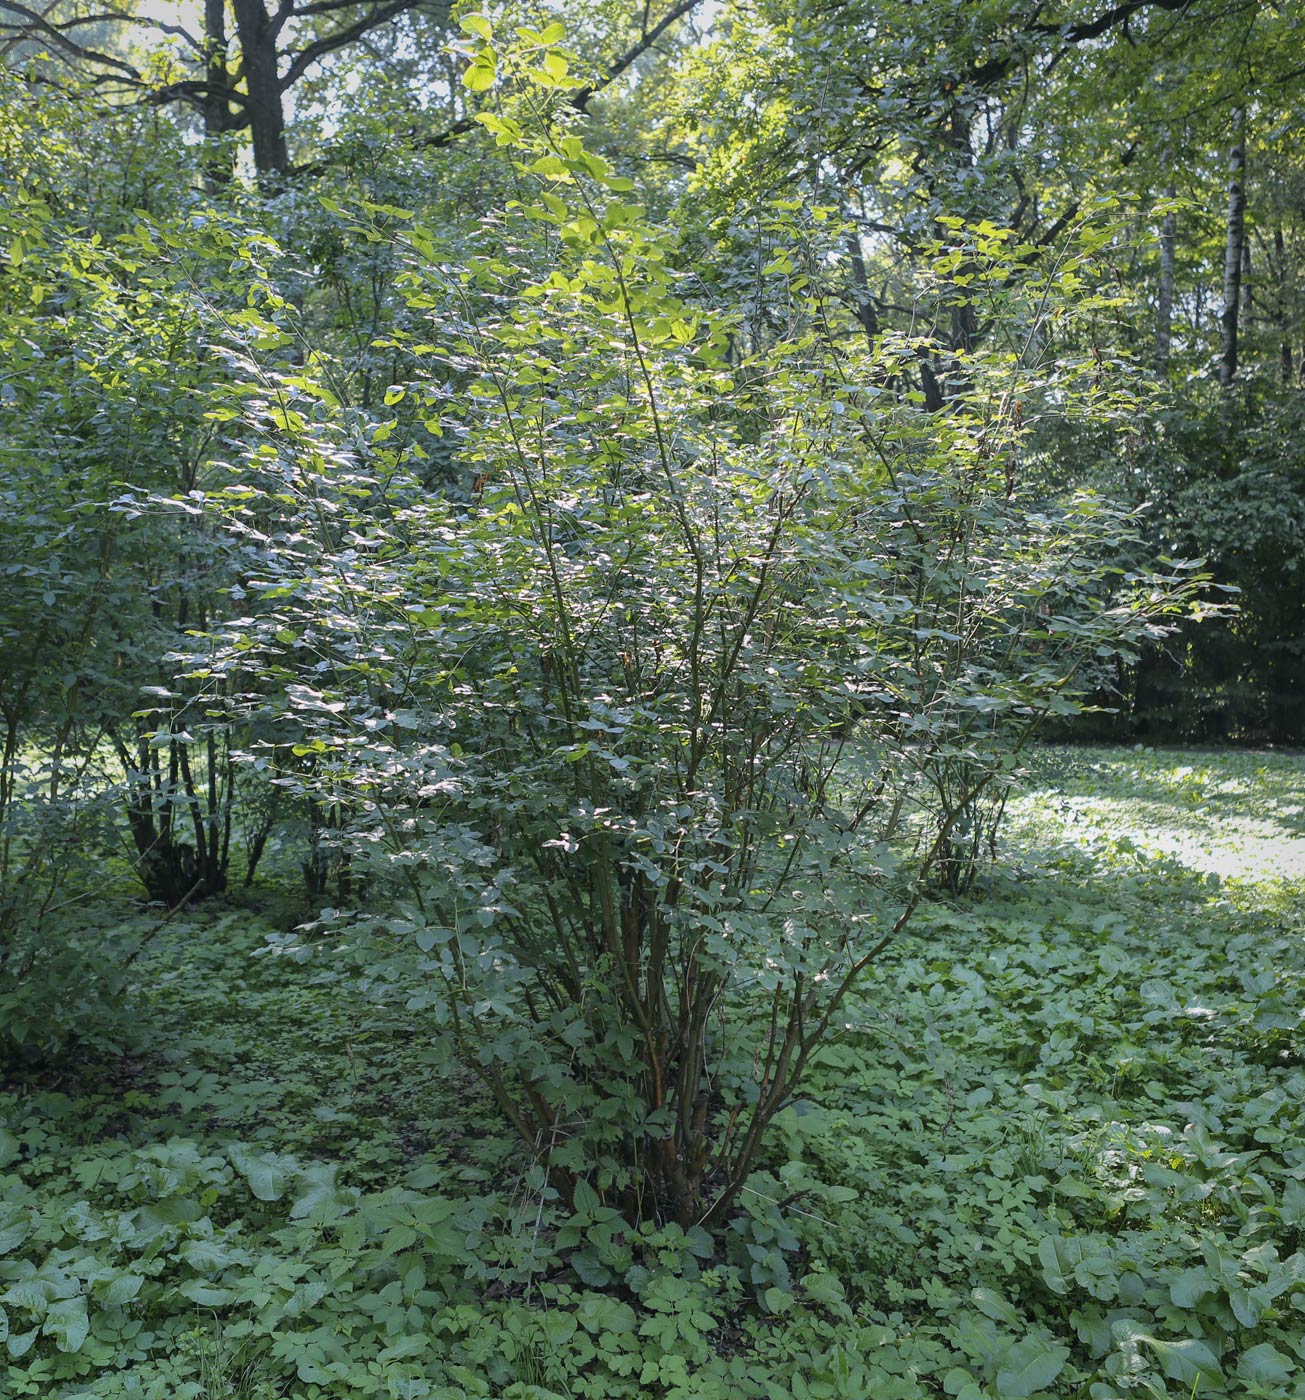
(664, 727)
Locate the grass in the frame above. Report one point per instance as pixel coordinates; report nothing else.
(1238, 815)
(1056, 1148)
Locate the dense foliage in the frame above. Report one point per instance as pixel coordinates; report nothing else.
(590, 518)
(1018, 1169)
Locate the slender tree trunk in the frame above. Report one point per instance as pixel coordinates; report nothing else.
(257, 36)
(933, 394)
(965, 319)
(1282, 310)
(1246, 285)
(865, 307)
(1164, 319)
(217, 97)
(1233, 250)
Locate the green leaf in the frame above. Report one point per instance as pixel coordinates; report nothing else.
(480, 74)
(174, 1210)
(991, 1304)
(1190, 1360)
(558, 1328)
(321, 1200)
(598, 1314)
(1054, 1253)
(586, 1198)
(1248, 1304)
(20, 1343)
(777, 1300)
(1267, 1367)
(1190, 1287)
(429, 938)
(206, 1295)
(14, 1229)
(119, 1290)
(266, 1175)
(824, 1288)
(1292, 1209)
(1030, 1365)
(9, 1147)
(67, 1323)
(590, 1270)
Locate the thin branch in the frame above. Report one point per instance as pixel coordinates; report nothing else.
(33, 22)
(142, 21)
(1094, 29)
(195, 90)
(580, 99)
(320, 7)
(319, 48)
(1069, 34)
(582, 96)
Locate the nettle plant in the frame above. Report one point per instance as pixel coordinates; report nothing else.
(666, 725)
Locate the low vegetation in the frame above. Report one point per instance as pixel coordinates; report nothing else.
(1052, 1150)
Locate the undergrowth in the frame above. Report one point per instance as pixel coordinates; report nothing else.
(1057, 1148)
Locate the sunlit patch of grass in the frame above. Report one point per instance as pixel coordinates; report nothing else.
(1240, 816)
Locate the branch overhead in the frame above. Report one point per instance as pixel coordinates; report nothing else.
(581, 98)
(376, 16)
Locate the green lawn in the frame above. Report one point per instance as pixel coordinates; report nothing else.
(1056, 1149)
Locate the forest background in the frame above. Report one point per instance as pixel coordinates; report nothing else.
(571, 527)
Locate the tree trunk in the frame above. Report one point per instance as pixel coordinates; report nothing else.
(1164, 319)
(1246, 285)
(257, 36)
(217, 95)
(1234, 247)
(1283, 309)
(865, 306)
(965, 320)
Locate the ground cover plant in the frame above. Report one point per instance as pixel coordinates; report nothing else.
(1055, 1150)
